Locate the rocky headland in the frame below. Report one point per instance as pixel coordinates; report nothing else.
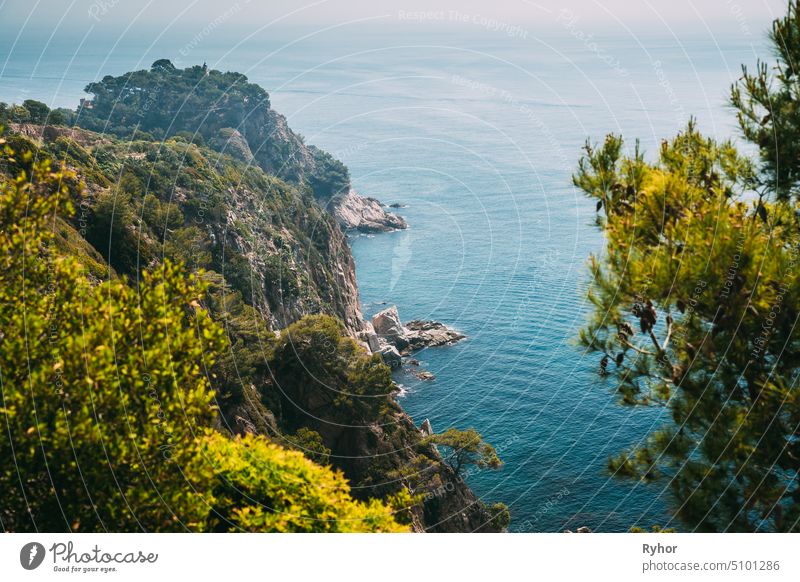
(258, 211)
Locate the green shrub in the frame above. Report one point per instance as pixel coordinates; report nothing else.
(322, 371)
(263, 487)
(106, 403)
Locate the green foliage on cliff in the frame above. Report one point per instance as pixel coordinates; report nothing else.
(164, 101)
(501, 515)
(106, 402)
(310, 443)
(322, 372)
(205, 106)
(148, 203)
(696, 304)
(329, 177)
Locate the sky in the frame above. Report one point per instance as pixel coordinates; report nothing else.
(671, 16)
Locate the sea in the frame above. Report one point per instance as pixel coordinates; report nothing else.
(474, 134)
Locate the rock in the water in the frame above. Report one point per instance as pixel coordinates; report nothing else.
(388, 327)
(425, 375)
(391, 357)
(583, 529)
(422, 334)
(414, 335)
(356, 212)
(426, 428)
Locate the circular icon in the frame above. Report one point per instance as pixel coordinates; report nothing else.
(31, 555)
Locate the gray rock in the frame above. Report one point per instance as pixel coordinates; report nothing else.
(356, 212)
(391, 357)
(387, 322)
(388, 328)
(583, 529)
(423, 334)
(426, 428)
(414, 335)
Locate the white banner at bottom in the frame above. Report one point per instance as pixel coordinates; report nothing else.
(376, 557)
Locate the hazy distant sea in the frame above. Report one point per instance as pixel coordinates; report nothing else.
(478, 135)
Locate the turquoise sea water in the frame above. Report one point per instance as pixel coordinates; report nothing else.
(477, 135)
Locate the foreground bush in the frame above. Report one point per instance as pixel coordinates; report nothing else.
(106, 404)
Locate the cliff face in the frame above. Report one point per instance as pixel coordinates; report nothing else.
(274, 257)
(270, 240)
(302, 271)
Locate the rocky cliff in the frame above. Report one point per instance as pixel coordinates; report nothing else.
(193, 165)
(268, 239)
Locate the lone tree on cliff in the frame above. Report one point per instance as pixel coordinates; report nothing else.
(462, 448)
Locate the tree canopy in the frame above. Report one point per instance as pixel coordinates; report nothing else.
(31, 111)
(768, 109)
(165, 100)
(696, 300)
(463, 448)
